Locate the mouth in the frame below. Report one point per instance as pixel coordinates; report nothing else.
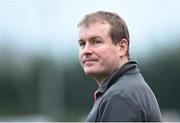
(89, 61)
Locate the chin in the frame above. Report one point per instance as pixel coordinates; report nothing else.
(90, 72)
(93, 70)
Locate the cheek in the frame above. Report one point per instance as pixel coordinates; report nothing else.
(106, 53)
(80, 53)
(110, 56)
(80, 57)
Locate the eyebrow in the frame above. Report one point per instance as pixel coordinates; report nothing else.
(91, 38)
(95, 37)
(80, 40)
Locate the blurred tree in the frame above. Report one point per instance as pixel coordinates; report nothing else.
(162, 74)
(68, 88)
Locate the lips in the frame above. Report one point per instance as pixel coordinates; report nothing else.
(89, 61)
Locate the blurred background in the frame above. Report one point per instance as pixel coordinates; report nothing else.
(40, 76)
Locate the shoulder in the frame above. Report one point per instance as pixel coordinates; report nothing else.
(119, 105)
(129, 88)
(128, 99)
(128, 85)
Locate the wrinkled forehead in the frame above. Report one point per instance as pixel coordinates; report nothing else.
(96, 28)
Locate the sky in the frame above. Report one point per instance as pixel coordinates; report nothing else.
(49, 27)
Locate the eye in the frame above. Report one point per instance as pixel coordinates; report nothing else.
(96, 42)
(82, 43)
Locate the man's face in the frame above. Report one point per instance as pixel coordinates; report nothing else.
(98, 56)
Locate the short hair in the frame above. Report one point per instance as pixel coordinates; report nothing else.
(118, 30)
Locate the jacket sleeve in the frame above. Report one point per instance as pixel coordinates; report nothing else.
(117, 108)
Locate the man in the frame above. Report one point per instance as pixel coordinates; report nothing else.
(123, 95)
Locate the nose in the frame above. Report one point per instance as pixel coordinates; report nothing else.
(87, 49)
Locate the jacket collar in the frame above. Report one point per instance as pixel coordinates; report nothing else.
(128, 68)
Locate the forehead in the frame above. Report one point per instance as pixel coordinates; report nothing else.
(94, 29)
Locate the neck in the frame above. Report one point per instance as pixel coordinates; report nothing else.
(101, 79)
(124, 60)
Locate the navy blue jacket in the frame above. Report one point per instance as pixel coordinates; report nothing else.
(125, 96)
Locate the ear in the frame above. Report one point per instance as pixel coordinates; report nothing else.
(123, 47)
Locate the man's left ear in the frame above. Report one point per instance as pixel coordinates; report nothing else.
(123, 47)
